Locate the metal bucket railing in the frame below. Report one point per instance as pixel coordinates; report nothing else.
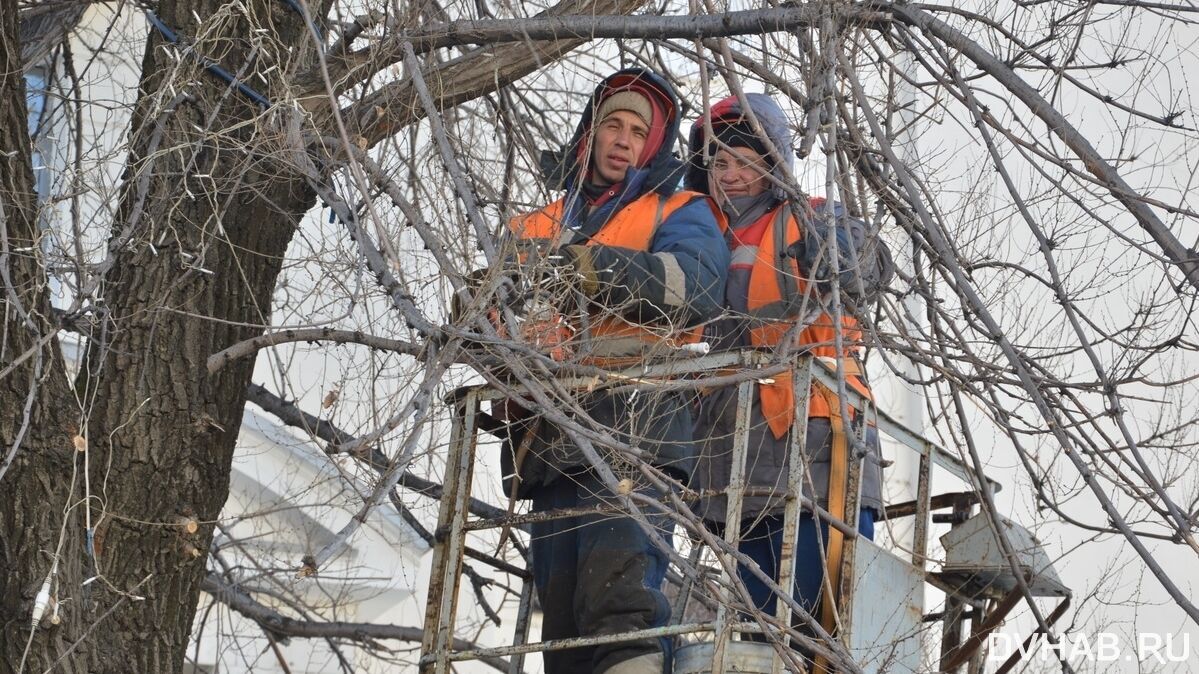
(454, 523)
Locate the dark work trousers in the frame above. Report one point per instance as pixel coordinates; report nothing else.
(763, 543)
(596, 574)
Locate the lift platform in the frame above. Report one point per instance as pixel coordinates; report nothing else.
(991, 563)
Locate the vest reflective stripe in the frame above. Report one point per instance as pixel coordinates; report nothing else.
(611, 341)
(744, 256)
(776, 295)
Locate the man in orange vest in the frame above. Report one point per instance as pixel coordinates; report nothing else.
(651, 262)
(767, 292)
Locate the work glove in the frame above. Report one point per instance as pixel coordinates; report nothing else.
(813, 261)
(574, 265)
(864, 262)
(863, 274)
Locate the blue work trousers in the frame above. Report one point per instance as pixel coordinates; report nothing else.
(763, 543)
(596, 574)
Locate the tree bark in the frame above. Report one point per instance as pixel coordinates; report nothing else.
(206, 217)
(36, 452)
(208, 208)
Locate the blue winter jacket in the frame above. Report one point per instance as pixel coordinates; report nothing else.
(690, 234)
(636, 284)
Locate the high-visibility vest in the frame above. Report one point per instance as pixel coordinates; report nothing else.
(776, 294)
(611, 340)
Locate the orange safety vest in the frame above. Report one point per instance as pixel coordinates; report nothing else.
(611, 340)
(775, 295)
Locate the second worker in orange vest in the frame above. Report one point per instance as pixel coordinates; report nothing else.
(766, 295)
(651, 262)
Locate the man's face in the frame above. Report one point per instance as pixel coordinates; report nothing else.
(619, 140)
(737, 172)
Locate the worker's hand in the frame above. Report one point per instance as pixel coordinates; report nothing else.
(575, 266)
(812, 259)
(796, 250)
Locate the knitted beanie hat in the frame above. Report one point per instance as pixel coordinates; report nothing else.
(632, 101)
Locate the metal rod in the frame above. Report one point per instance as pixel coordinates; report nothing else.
(732, 519)
(955, 607)
(805, 504)
(679, 611)
(463, 456)
(1050, 620)
(923, 514)
(437, 575)
(979, 631)
(853, 505)
(796, 468)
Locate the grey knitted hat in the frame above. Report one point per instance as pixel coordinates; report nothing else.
(631, 101)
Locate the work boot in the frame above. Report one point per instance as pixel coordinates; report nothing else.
(650, 663)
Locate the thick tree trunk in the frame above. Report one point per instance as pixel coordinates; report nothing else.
(36, 452)
(197, 275)
(209, 211)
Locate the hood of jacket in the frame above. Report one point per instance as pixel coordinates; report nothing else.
(662, 172)
(729, 111)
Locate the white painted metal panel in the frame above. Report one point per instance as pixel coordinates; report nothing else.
(886, 628)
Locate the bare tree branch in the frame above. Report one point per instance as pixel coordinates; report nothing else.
(283, 627)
